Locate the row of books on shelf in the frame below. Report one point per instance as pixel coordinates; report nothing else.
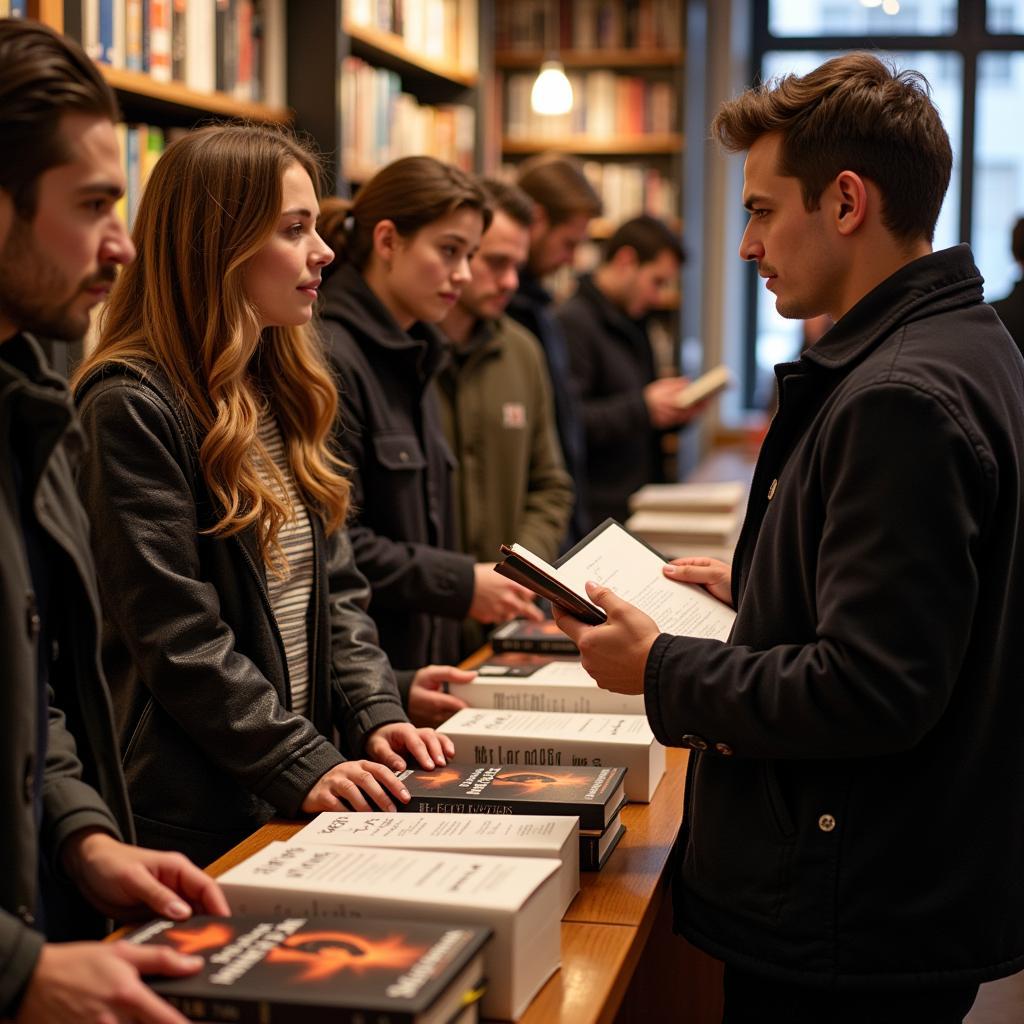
(443, 30)
(380, 123)
(629, 189)
(141, 146)
(605, 104)
(588, 24)
(13, 8)
(224, 45)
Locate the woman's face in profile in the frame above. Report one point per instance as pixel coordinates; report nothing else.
(426, 272)
(281, 280)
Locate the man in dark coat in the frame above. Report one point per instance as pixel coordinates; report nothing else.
(627, 407)
(63, 867)
(1011, 308)
(852, 843)
(564, 203)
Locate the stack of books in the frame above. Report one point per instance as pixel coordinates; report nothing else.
(589, 796)
(689, 519)
(516, 897)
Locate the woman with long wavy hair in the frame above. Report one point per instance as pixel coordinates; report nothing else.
(236, 637)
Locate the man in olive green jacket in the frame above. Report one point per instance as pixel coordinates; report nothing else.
(496, 403)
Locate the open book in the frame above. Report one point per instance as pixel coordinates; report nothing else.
(612, 556)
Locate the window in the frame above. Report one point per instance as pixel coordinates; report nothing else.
(973, 57)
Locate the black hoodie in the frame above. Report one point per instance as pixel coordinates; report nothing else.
(403, 526)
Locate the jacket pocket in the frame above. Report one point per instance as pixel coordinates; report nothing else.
(399, 451)
(742, 840)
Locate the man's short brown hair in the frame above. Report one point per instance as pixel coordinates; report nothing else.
(509, 199)
(558, 184)
(43, 76)
(854, 113)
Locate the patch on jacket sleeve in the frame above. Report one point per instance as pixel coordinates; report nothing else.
(513, 415)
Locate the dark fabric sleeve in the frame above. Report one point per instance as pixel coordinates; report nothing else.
(897, 585)
(20, 947)
(364, 694)
(168, 616)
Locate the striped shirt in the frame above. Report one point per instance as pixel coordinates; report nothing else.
(290, 594)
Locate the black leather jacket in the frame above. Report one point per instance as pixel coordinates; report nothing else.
(191, 648)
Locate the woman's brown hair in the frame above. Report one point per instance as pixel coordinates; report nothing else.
(411, 192)
(211, 203)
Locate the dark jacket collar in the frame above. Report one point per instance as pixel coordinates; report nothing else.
(932, 284)
(347, 298)
(618, 322)
(530, 288)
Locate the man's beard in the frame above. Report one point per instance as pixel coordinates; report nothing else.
(29, 282)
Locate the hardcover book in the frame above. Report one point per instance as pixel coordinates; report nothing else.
(718, 496)
(271, 968)
(534, 637)
(592, 794)
(539, 740)
(517, 681)
(515, 896)
(597, 848)
(707, 385)
(612, 556)
(521, 835)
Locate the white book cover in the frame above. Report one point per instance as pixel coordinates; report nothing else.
(514, 835)
(517, 681)
(542, 738)
(613, 558)
(200, 50)
(515, 896)
(719, 496)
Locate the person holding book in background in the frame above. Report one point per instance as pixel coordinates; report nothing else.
(236, 635)
(403, 248)
(496, 404)
(67, 863)
(627, 407)
(853, 843)
(564, 203)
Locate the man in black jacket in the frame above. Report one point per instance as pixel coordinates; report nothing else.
(852, 842)
(564, 203)
(1011, 308)
(627, 407)
(63, 866)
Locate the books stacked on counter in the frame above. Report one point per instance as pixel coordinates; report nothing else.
(528, 835)
(689, 518)
(533, 638)
(590, 796)
(270, 968)
(534, 741)
(516, 897)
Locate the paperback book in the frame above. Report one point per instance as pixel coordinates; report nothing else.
(540, 740)
(265, 969)
(534, 637)
(517, 681)
(554, 837)
(610, 555)
(595, 795)
(515, 896)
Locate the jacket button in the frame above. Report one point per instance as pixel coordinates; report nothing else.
(29, 782)
(403, 456)
(26, 915)
(771, 489)
(826, 823)
(32, 620)
(695, 742)
(724, 749)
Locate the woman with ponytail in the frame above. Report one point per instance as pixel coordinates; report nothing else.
(236, 637)
(403, 251)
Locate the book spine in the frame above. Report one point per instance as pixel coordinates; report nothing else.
(591, 816)
(590, 853)
(503, 693)
(262, 1011)
(552, 646)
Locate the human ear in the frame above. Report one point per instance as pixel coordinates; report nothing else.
(385, 239)
(850, 202)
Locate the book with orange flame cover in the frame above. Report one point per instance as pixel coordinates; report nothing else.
(271, 969)
(592, 794)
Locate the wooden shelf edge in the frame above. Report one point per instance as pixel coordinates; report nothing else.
(142, 85)
(394, 46)
(618, 58)
(616, 145)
